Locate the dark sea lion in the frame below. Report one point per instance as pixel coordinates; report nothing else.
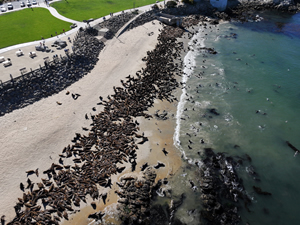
(144, 166)
(30, 172)
(259, 191)
(22, 186)
(93, 204)
(165, 151)
(3, 220)
(159, 164)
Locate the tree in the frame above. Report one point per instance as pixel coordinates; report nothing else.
(171, 4)
(188, 1)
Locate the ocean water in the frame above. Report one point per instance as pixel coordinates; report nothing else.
(253, 83)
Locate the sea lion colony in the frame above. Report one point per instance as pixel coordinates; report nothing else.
(111, 140)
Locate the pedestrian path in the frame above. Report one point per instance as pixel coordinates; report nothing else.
(58, 16)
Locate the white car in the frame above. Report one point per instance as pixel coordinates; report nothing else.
(28, 3)
(3, 9)
(6, 63)
(9, 6)
(22, 4)
(34, 2)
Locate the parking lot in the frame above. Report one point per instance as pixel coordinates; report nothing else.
(27, 62)
(17, 5)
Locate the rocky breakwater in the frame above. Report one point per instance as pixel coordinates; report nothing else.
(245, 11)
(223, 194)
(281, 5)
(221, 188)
(54, 76)
(135, 197)
(137, 200)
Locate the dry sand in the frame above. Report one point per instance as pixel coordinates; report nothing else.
(33, 137)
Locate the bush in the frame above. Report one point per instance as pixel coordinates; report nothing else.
(155, 6)
(188, 1)
(171, 4)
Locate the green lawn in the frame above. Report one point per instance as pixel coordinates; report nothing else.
(29, 25)
(85, 9)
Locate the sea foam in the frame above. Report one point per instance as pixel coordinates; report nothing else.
(189, 65)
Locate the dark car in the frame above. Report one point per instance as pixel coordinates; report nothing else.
(60, 43)
(9, 6)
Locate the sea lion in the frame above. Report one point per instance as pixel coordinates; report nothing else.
(29, 172)
(165, 151)
(22, 186)
(159, 164)
(259, 191)
(144, 166)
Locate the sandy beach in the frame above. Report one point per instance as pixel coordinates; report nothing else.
(33, 137)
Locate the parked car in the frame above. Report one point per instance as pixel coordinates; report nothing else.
(22, 4)
(34, 2)
(60, 43)
(9, 6)
(73, 25)
(6, 63)
(3, 9)
(28, 3)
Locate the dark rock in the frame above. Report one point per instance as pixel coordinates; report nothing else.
(259, 191)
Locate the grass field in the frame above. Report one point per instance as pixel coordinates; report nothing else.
(85, 9)
(29, 25)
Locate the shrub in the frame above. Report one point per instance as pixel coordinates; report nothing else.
(171, 4)
(155, 6)
(188, 1)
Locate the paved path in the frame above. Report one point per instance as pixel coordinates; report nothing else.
(58, 16)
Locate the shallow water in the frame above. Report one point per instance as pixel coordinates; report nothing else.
(252, 82)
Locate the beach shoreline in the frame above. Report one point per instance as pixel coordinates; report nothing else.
(35, 135)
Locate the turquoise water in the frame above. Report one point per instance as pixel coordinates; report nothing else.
(253, 83)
